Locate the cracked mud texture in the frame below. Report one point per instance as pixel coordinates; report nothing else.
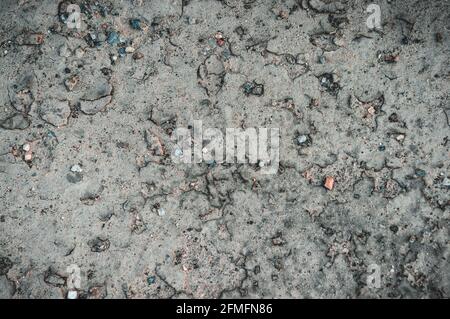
(86, 177)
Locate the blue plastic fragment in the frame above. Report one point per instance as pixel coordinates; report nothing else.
(135, 24)
(122, 52)
(113, 37)
(151, 280)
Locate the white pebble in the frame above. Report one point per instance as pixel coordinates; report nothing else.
(72, 294)
(446, 182)
(28, 157)
(76, 168)
(178, 152)
(302, 139)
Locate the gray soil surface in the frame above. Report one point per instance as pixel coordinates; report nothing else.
(87, 180)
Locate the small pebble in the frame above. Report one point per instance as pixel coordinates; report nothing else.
(122, 52)
(329, 183)
(34, 39)
(151, 280)
(64, 51)
(302, 139)
(72, 294)
(226, 53)
(161, 212)
(400, 137)
(247, 87)
(138, 55)
(135, 24)
(129, 49)
(420, 172)
(76, 168)
(26, 147)
(211, 163)
(178, 152)
(446, 182)
(394, 228)
(220, 42)
(393, 118)
(71, 83)
(74, 177)
(339, 42)
(322, 59)
(390, 58)
(113, 38)
(28, 157)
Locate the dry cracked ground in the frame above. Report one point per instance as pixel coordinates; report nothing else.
(88, 186)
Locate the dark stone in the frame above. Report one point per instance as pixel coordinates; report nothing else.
(15, 122)
(98, 244)
(53, 279)
(327, 81)
(253, 88)
(5, 265)
(393, 118)
(394, 229)
(74, 177)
